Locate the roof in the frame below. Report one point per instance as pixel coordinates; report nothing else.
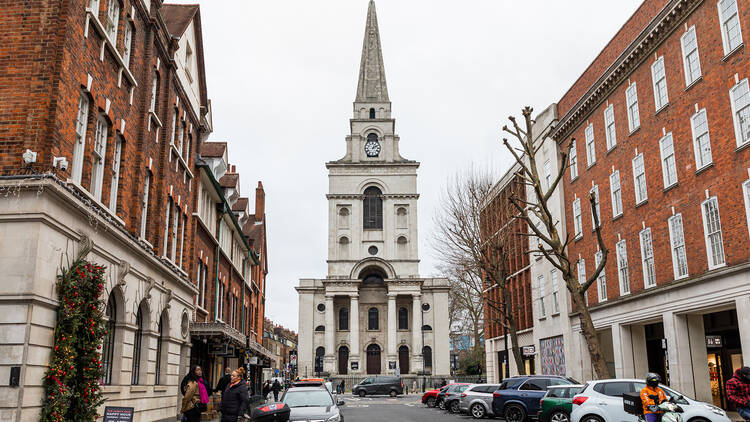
(240, 205)
(213, 149)
(178, 17)
(255, 233)
(229, 180)
(371, 86)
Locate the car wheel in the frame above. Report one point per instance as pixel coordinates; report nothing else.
(559, 416)
(361, 393)
(431, 402)
(591, 418)
(441, 404)
(514, 413)
(455, 408)
(699, 420)
(393, 393)
(477, 411)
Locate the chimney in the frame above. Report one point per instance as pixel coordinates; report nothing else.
(234, 169)
(260, 202)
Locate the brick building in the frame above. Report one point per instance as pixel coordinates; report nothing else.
(104, 108)
(661, 123)
(281, 342)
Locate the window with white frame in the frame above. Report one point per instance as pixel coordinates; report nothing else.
(127, 44)
(220, 302)
(622, 267)
(181, 142)
(100, 149)
(94, 6)
(595, 191)
(188, 141)
(199, 281)
(542, 309)
(166, 227)
(668, 164)
(144, 204)
(80, 143)
(573, 162)
(154, 88)
(740, 95)
(677, 241)
(659, 78)
(116, 158)
(547, 174)
(601, 280)
(590, 147)
(631, 99)
(712, 229)
(175, 225)
(690, 59)
(555, 292)
(182, 238)
(609, 126)
(113, 19)
(639, 178)
(614, 187)
(577, 217)
(731, 34)
(701, 139)
(746, 195)
(582, 277)
(203, 287)
(174, 127)
(647, 258)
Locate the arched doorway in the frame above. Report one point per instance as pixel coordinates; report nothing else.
(403, 359)
(319, 353)
(373, 359)
(343, 359)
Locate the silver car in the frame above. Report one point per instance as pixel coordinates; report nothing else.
(312, 403)
(477, 400)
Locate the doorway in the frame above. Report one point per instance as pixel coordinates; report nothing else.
(403, 359)
(656, 351)
(343, 360)
(373, 359)
(724, 353)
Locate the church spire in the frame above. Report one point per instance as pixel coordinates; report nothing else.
(371, 87)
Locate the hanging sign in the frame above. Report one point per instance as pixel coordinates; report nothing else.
(118, 414)
(713, 341)
(217, 349)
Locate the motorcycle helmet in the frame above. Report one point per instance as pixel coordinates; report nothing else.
(745, 373)
(653, 380)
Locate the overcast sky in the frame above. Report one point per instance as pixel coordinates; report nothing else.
(282, 77)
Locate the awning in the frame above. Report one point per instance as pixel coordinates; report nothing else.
(220, 330)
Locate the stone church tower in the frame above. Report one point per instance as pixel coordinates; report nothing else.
(372, 313)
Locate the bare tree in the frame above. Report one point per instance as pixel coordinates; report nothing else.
(473, 258)
(545, 232)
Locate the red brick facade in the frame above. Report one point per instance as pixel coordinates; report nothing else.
(585, 103)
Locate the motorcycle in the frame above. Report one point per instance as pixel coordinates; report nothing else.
(670, 411)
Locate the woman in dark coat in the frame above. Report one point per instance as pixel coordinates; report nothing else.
(234, 399)
(266, 389)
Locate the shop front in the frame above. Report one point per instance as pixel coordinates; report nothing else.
(724, 352)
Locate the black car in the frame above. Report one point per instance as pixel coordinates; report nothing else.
(449, 393)
(380, 384)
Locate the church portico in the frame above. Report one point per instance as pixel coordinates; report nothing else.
(373, 313)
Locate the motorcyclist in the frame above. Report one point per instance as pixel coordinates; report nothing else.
(651, 397)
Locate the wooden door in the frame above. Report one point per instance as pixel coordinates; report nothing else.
(343, 360)
(373, 359)
(403, 360)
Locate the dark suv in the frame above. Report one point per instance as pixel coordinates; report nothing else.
(519, 397)
(380, 384)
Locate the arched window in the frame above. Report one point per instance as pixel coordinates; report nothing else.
(427, 356)
(137, 343)
(372, 319)
(319, 353)
(372, 113)
(401, 222)
(108, 348)
(159, 351)
(343, 218)
(403, 319)
(344, 319)
(402, 247)
(320, 328)
(344, 248)
(373, 209)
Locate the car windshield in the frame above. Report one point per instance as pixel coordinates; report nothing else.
(308, 398)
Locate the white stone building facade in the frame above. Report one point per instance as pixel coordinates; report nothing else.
(373, 313)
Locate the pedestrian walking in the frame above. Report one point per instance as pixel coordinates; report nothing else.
(342, 387)
(276, 387)
(224, 381)
(266, 389)
(738, 391)
(234, 399)
(191, 400)
(204, 390)
(414, 386)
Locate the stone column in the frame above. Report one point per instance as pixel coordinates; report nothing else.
(329, 360)
(391, 330)
(678, 352)
(743, 321)
(416, 332)
(354, 331)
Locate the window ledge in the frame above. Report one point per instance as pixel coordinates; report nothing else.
(591, 165)
(695, 82)
(578, 237)
(92, 17)
(160, 388)
(145, 242)
(744, 146)
(155, 118)
(617, 217)
(95, 201)
(202, 309)
(670, 187)
(554, 314)
(733, 52)
(704, 168)
(632, 132)
(716, 267)
(181, 160)
(573, 179)
(614, 147)
(643, 202)
(138, 388)
(661, 108)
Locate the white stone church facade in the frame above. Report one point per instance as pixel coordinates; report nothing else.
(373, 314)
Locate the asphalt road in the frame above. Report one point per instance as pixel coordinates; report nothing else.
(400, 409)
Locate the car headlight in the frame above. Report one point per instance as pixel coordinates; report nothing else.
(715, 409)
(335, 418)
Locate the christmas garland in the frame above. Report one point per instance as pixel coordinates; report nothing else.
(72, 381)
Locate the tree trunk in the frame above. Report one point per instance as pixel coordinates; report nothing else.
(590, 335)
(514, 346)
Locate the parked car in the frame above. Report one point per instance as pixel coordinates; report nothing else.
(557, 404)
(451, 397)
(430, 397)
(477, 400)
(601, 401)
(380, 384)
(312, 402)
(519, 397)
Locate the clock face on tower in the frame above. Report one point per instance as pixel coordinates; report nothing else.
(372, 146)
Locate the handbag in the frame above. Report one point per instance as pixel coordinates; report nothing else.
(202, 407)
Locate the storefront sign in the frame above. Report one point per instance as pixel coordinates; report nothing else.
(230, 351)
(713, 341)
(391, 364)
(355, 365)
(118, 414)
(217, 349)
(528, 350)
(253, 360)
